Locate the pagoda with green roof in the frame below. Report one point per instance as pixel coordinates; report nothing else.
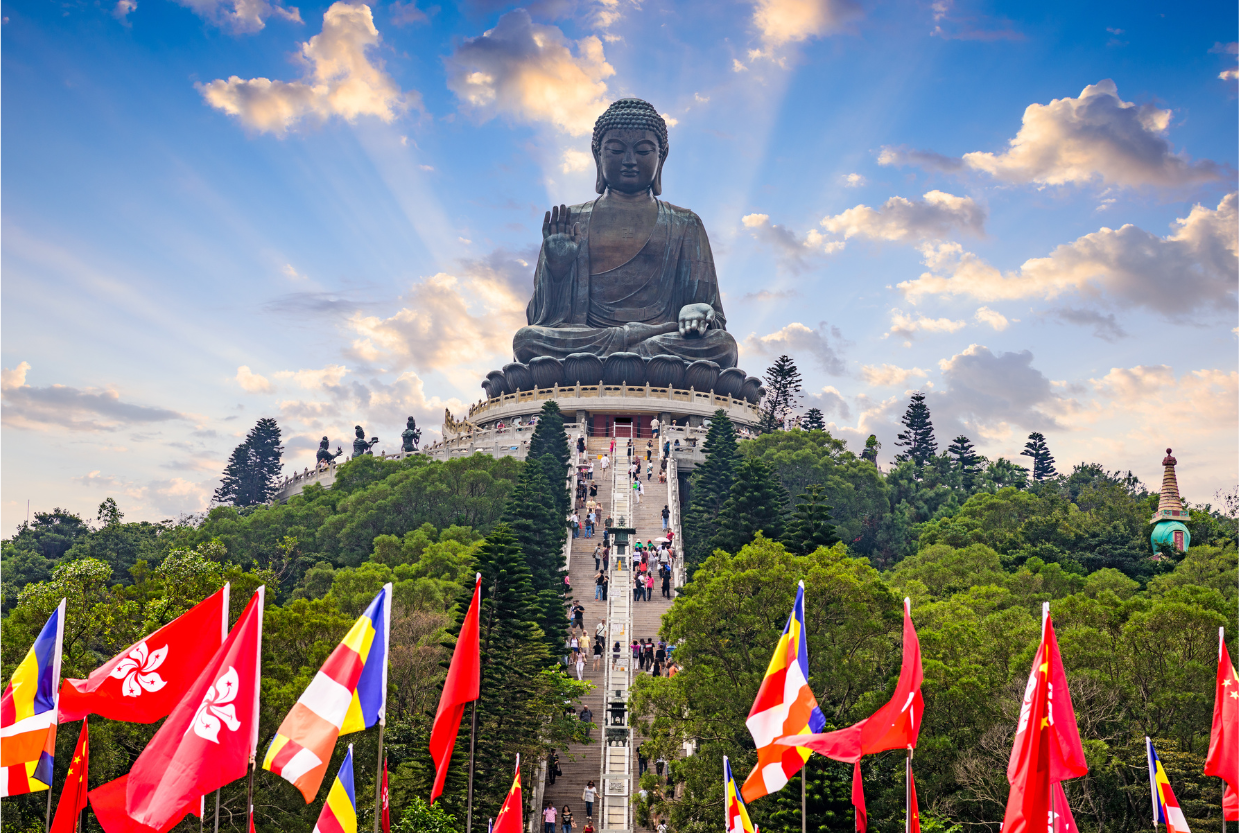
(1169, 527)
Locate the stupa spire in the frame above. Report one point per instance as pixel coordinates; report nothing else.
(1168, 519)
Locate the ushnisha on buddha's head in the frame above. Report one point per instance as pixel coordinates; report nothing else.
(629, 145)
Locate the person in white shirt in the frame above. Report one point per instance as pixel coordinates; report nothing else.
(606, 463)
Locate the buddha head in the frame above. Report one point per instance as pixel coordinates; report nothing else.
(629, 145)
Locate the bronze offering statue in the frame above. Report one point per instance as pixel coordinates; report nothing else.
(412, 435)
(361, 446)
(325, 455)
(626, 272)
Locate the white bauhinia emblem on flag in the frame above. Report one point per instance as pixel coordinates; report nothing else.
(217, 707)
(137, 670)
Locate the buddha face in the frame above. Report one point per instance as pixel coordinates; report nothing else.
(629, 159)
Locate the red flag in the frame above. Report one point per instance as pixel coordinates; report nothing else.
(914, 815)
(73, 796)
(1231, 804)
(252, 831)
(461, 686)
(1047, 747)
(509, 820)
(1223, 759)
(385, 821)
(211, 735)
(144, 682)
(858, 799)
(1062, 821)
(108, 803)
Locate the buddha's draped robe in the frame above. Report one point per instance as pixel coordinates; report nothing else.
(585, 313)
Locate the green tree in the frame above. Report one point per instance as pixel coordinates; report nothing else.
(783, 382)
(755, 504)
(253, 468)
(812, 421)
(1043, 461)
(531, 512)
(549, 438)
(811, 523)
(709, 486)
(965, 461)
(917, 439)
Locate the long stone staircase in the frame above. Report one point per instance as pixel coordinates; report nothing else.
(598, 762)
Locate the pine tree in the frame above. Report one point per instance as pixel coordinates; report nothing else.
(965, 460)
(813, 422)
(811, 523)
(870, 453)
(549, 438)
(918, 438)
(514, 703)
(1043, 461)
(755, 503)
(252, 470)
(782, 384)
(709, 487)
(531, 512)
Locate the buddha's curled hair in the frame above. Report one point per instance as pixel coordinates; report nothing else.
(630, 113)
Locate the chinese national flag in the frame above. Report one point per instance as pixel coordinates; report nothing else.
(385, 815)
(211, 735)
(74, 796)
(461, 686)
(509, 820)
(1223, 759)
(1047, 747)
(914, 814)
(144, 682)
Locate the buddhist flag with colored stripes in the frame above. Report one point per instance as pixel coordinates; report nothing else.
(784, 706)
(735, 817)
(348, 694)
(1166, 807)
(339, 815)
(28, 712)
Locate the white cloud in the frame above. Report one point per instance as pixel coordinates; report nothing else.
(239, 16)
(737, 67)
(936, 215)
(1094, 137)
(907, 326)
(671, 121)
(575, 160)
(64, 407)
(854, 180)
(989, 317)
(122, 10)
(529, 72)
(987, 391)
(1230, 74)
(886, 375)
(403, 14)
(1194, 267)
(794, 252)
(253, 382)
(798, 338)
(324, 378)
(781, 22)
(340, 81)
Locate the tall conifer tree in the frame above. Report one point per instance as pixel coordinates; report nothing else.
(1043, 461)
(531, 513)
(813, 421)
(549, 438)
(755, 503)
(811, 523)
(710, 485)
(783, 381)
(917, 439)
(253, 468)
(965, 460)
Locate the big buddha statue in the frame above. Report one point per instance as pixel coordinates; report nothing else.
(627, 271)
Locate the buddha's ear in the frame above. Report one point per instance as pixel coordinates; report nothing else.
(657, 187)
(600, 185)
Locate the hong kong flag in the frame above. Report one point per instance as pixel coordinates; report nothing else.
(144, 682)
(210, 737)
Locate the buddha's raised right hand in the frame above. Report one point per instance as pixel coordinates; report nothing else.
(561, 241)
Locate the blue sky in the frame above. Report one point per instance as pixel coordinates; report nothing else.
(219, 210)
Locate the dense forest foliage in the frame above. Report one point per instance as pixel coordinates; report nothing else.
(976, 545)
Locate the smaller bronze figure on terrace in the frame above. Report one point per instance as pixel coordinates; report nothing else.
(325, 455)
(412, 436)
(361, 446)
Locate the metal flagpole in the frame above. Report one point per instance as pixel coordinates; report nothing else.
(469, 799)
(803, 799)
(908, 792)
(379, 781)
(217, 811)
(47, 821)
(249, 794)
